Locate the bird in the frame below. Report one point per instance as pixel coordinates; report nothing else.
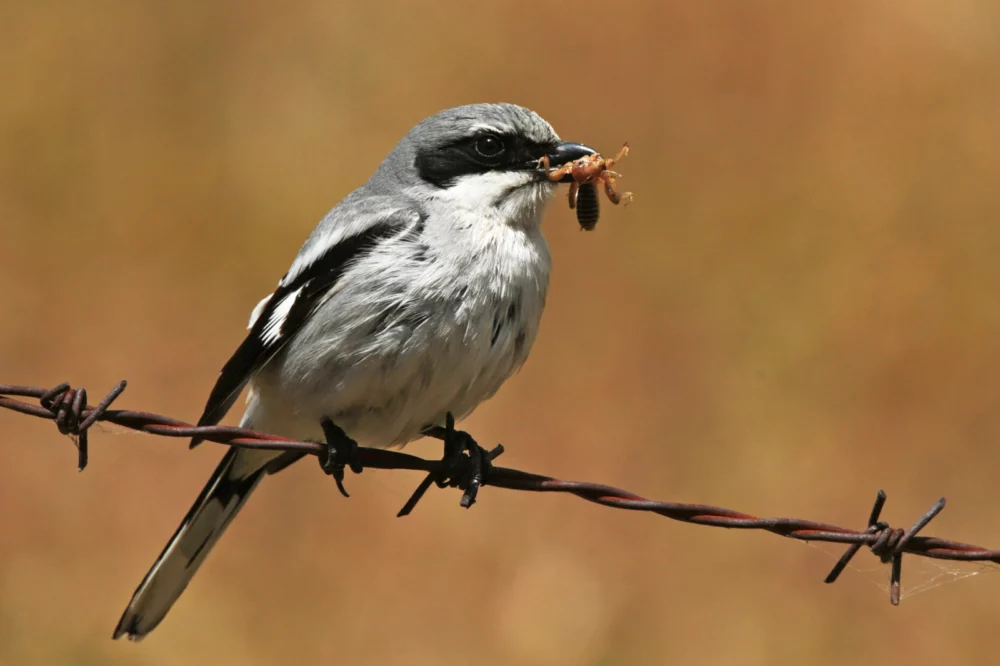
(415, 298)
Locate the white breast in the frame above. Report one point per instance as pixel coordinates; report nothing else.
(412, 332)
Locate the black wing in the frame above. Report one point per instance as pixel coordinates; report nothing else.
(283, 315)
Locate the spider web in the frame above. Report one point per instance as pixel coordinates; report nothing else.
(920, 574)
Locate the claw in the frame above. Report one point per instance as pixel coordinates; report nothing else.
(464, 464)
(341, 452)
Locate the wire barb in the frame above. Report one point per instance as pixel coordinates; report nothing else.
(889, 544)
(468, 466)
(67, 407)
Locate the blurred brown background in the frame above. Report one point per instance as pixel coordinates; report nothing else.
(801, 307)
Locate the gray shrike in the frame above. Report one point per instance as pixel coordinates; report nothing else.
(417, 295)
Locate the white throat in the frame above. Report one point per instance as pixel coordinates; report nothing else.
(512, 198)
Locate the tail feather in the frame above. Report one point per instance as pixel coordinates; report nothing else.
(221, 499)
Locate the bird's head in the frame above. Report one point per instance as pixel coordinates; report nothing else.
(482, 157)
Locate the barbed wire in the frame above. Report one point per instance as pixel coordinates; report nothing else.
(469, 467)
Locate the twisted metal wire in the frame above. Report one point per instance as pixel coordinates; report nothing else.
(474, 468)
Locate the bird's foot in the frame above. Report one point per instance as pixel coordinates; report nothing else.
(465, 465)
(341, 453)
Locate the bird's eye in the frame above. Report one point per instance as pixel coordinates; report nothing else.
(489, 145)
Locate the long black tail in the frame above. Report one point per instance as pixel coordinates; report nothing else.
(234, 479)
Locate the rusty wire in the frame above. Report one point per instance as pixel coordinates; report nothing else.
(68, 408)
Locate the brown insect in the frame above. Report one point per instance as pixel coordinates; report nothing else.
(586, 172)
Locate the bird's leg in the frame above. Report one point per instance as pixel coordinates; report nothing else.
(341, 452)
(468, 472)
(456, 443)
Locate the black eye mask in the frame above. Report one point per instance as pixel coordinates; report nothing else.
(481, 153)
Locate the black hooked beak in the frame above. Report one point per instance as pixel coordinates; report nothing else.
(566, 152)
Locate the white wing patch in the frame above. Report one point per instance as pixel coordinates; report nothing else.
(258, 309)
(272, 331)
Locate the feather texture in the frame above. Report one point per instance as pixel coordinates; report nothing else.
(300, 292)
